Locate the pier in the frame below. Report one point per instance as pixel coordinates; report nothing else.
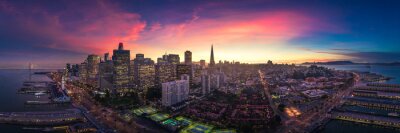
(377, 94)
(374, 103)
(376, 88)
(38, 102)
(42, 118)
(384, 85)
(367, 119)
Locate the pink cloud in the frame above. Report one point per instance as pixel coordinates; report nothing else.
(94, 28)
(264, 27)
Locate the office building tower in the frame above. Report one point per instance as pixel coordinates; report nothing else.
(188, 57)
(175, 92)
(165, 57)
(121, 63)
(106, 57)
(214, 81)
(68, 67)
(203, 64)
(173, 59)
(93, 66)
(105, 80)
(144, 73)
(165, 73)
(161, 61)
(83, 75)
(185, 77)
(184, 69)
(212, 62)
(75, 70)
(139, 56)
(205, 84)
(222, 79)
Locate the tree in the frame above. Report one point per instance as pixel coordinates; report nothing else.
(281, 107)
(153, 93)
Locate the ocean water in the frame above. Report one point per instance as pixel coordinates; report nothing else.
(338, 126)
(389, 71)
(10, 81)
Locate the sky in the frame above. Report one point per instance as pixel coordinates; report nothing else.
(50, 33)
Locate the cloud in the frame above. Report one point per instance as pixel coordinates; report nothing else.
(85, 27)
(358, 56)
(232, 30)
(373, 56)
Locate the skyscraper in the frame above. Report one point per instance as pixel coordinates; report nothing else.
(165, 73)
(214, 81)
(173, 59)
(205, 84)
(106, 57)
(212, 62)
(83, 75)
(93, 65)
(175, 92)
(105, 75)
(188, 57)
(144, 72)
(203, 63)
(182, 69)
(121, 59)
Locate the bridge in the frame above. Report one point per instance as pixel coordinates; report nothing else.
(42, 118)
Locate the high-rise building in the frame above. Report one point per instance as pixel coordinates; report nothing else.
(203, 63)
(165, 73)
(106, 57)
(165, 57)
(144, 72)
(68, 67)
(188, 57)
(184, 69)
(161, 61)
(173, 59)
(185, 77)
(205, 84)
(121, 63)
(93, 66)
(139, 56)
(75, 70)
(175, 92)
(215, 81)
(105, 80)
(83, 75)
(212, 62)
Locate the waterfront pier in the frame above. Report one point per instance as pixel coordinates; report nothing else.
(42, 118)
(367, 119)
(374, 103)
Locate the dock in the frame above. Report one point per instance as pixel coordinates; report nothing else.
(367, 119)
(42, 118)
(38, 102)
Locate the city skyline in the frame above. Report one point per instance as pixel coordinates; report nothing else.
(52, 33)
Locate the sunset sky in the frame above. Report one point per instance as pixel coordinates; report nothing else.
(54, 32)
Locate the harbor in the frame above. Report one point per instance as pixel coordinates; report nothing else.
(372, 106)
(40, 105)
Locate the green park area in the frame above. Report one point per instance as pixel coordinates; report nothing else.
(224, 131)
(159, 117)
(197, 128)
(144, 110)
(184, 121)
(170, 122)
